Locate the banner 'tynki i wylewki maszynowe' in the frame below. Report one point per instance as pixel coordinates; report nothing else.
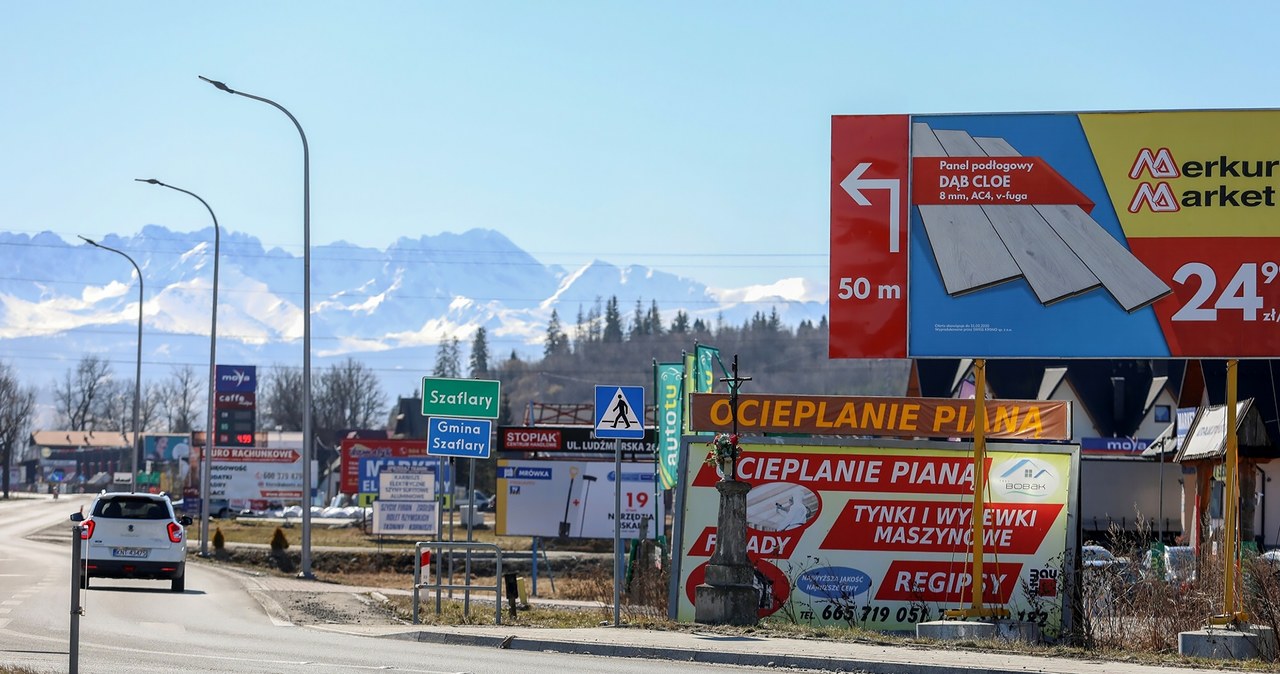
(879, 537)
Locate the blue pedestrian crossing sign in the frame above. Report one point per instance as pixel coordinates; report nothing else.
(619, 412)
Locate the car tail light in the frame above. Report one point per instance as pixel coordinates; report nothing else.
(86, 530)
(175, 532)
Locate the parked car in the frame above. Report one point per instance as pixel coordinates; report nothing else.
(219, 508)
(1098, 557)
(132, 535)
(481, 501)
(1176, 565)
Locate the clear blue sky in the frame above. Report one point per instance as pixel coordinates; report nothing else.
(688, 136)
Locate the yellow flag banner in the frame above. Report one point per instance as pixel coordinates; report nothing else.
(880, 416)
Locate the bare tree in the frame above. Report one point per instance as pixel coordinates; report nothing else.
(17, 402)
(77, 395)
(113, 409)
(349, 395)
(280, 395)
(180, 394)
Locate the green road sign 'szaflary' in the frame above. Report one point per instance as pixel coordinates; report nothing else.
(472, 398)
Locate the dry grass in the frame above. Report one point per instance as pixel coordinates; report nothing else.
(249, 530)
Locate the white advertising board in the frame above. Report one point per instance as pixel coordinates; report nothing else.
(256, 473)
(397, 484)
(877, 534)
(408, 518)
(574, 499)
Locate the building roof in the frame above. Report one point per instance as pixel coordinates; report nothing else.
(77, 439)
(1206, 439)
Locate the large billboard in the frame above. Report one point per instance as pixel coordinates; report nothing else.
(1079, 235)
(575, 499)
(878, 534)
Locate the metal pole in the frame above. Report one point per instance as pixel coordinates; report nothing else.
(137, 378)
(979, 477)
(617, 532)
(1231, 500)
(308, 448)
(471, 513)
(76, 609)
(207, 456)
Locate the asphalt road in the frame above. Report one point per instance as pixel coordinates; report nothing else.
(216, 625)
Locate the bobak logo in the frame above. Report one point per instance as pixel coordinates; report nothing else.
(1158, 196)
(1024, 477)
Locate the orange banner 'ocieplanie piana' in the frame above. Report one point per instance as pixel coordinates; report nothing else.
(881, 416)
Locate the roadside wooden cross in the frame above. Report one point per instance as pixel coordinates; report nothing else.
(734, 383)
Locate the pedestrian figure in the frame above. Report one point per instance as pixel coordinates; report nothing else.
(621, 408)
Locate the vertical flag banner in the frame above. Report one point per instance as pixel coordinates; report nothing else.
(668, 389)
(690, 366)
(707, 356)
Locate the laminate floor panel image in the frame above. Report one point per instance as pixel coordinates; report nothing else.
(1125, 277)
(969, 253)
(1049, 265)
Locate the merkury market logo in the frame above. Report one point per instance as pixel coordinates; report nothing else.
(1025, 477)
(1158, 194)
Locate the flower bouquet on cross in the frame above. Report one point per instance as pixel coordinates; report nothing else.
(724, 453)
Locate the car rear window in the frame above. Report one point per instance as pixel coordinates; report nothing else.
(131, 509)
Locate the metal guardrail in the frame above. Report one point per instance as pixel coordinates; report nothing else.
(468, 546)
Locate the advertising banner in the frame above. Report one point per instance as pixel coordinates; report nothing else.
(577, 439)
(172, 447)
(880, 416)
(667, 389)
(707, 358)
(352, 450)
(371, 467)
(405, 518)
(398, 483)
(236, 378)
(1079, 235)
(574, 499)
(256, 473)
(879, 535)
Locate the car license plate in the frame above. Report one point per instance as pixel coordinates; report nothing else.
(129, 552)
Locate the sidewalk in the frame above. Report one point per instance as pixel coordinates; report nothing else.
(709, 647)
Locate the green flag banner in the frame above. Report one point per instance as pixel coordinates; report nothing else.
(668, 387)
(705, 377)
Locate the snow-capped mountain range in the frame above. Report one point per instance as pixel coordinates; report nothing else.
(60, 300)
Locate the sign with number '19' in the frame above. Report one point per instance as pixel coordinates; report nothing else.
(1077, 235)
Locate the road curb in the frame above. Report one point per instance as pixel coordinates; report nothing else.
(513, 642)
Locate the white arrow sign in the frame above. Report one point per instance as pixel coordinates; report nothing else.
(855, 183)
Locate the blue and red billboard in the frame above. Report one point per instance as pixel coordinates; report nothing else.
(1090, 235)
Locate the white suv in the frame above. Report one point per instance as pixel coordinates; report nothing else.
(133, 536)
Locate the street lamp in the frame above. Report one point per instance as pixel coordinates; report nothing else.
(213, 359)
(307, 446)
(137, 377)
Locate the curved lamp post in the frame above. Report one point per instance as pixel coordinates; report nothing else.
(307, 446)
(137, 379)
(207, 458)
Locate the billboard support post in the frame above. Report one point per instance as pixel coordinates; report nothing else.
(1229, 615)
(976, 608)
